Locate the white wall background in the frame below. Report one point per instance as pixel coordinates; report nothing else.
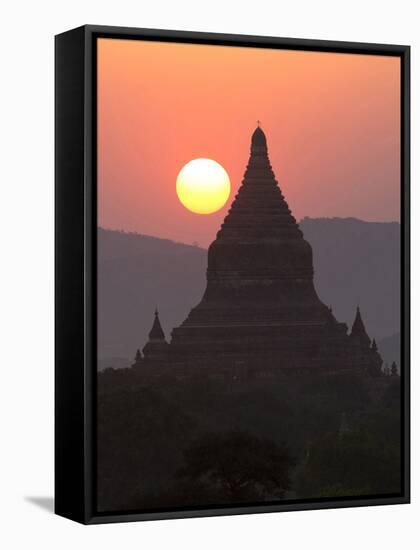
(26, 272)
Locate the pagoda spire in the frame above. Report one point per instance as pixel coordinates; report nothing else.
(259, 211)
(156, 333)
(156, 349)
(258, 138)
(358, 331)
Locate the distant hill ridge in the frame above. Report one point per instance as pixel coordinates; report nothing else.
(356, 262)
(133, 241)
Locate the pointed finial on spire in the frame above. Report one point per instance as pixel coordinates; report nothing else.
(358, 331)
(156, 332)
(258, 139)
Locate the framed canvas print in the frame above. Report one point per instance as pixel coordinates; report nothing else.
(232, 274)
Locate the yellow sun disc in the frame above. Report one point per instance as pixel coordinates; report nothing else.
(203, 186)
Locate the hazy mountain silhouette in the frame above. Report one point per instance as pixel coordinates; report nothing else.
(358, 263)
(136, 274)
(355, 262)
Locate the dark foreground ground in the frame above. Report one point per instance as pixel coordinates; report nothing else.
(167, 443)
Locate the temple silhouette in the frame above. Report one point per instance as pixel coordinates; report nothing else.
(260, 314)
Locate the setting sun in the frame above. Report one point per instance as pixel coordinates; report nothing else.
(203, 186)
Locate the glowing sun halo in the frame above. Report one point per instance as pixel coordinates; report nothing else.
(203, 186)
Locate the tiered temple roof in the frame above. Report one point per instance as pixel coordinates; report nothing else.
(259, 266)
(260, 307)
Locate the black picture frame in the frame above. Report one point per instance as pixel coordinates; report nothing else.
(75, 269)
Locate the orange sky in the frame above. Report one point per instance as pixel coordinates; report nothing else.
(332, 122)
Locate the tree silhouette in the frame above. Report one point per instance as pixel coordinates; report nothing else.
(238, 466)
(394, 369)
